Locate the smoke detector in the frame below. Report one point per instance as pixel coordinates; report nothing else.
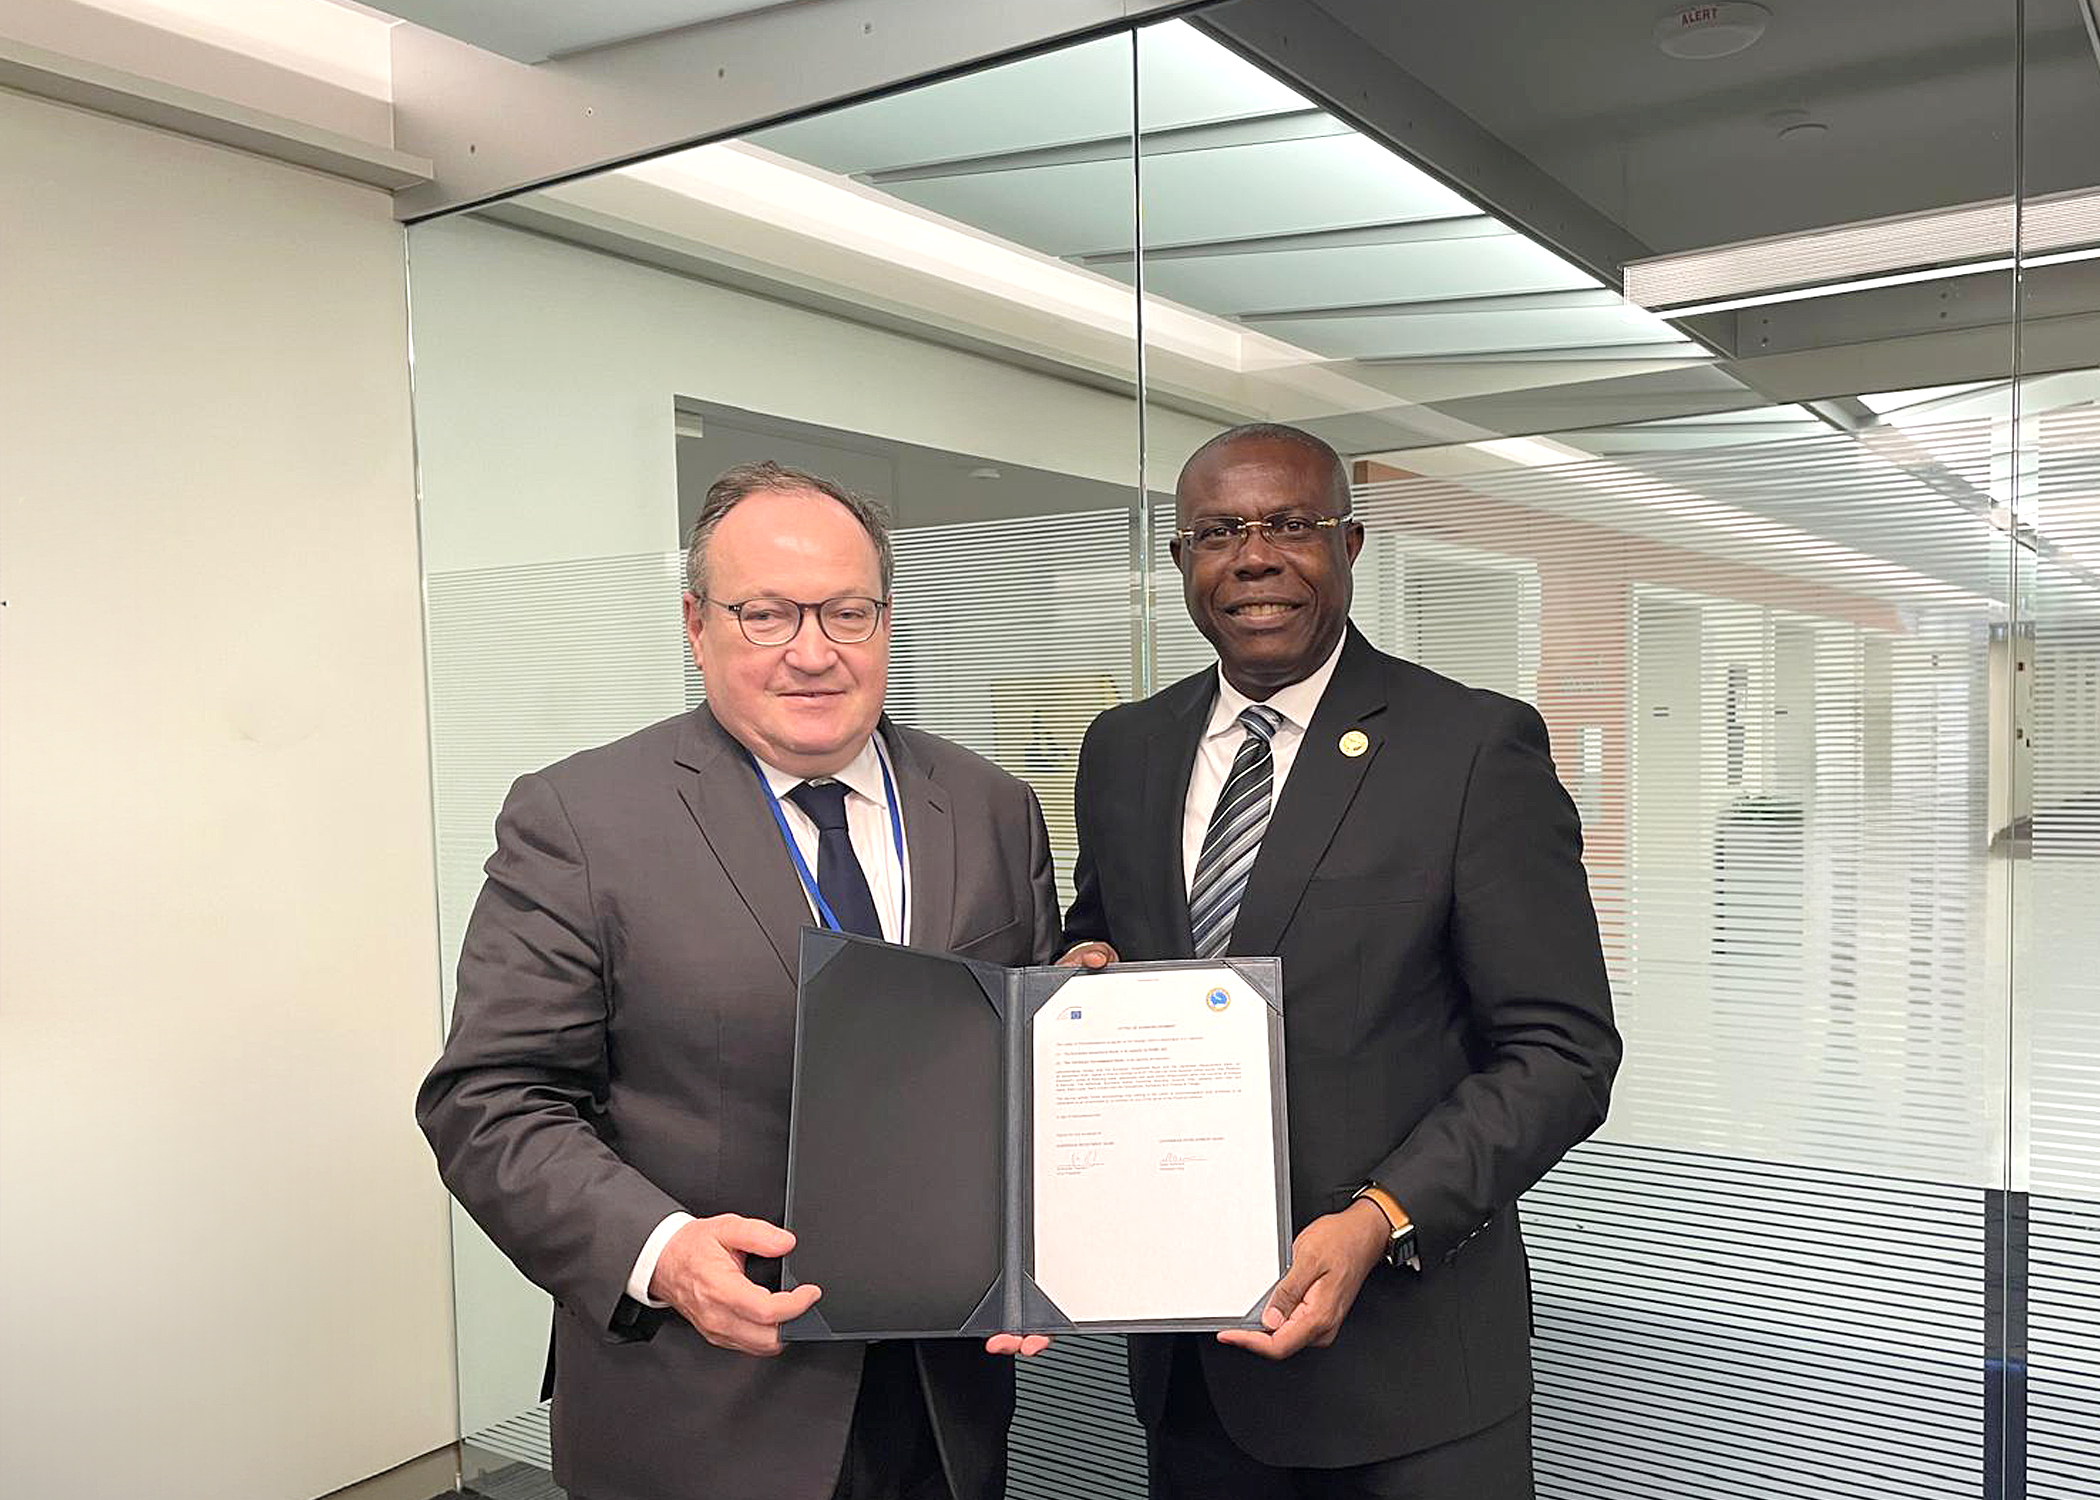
(1716, 30)
(1796, 127)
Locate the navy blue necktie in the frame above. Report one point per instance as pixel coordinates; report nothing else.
(840, 878)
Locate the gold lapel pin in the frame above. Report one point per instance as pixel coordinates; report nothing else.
(1355, 743)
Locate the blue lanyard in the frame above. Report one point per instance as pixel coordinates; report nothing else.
(809, 881)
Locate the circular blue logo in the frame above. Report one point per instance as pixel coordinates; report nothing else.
(1217, 999)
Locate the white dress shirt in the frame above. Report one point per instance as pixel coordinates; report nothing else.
(874, 845)
(1222, 739)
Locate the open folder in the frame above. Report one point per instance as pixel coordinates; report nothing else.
(976, 1149)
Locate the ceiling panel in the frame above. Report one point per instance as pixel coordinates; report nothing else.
(1188, 78)
(1725, 429)
(1920, 97)
(1273, 188)
(1286, 187)
(1075, 94)
(1082, 93)
(1274, 281)
(1457, 334)
(1061, 210)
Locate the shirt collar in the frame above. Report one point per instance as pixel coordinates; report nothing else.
(862, 775)
(1295, 702)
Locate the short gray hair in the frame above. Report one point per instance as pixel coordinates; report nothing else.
(745, 480)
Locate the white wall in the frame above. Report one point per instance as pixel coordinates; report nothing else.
(545, 375)
(223, 1266)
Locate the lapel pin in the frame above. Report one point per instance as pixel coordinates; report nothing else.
(1355, 743)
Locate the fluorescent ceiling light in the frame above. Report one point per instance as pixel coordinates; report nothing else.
(1957, 241)
(2061, 257)
(805, 200)
(344, 45)
(1886, 403)
(1870, 283)
(1835, 288)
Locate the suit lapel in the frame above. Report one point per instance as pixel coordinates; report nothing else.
(1169, 758)
(1317, 797)
(929, 843)
(727, 800)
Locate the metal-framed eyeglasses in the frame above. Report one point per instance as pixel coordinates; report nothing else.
(846, 620)
(1216, 534)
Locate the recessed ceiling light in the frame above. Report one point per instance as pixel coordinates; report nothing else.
(1717, 30)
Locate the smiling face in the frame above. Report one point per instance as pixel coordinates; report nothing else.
(806, 707)
(1273, 612)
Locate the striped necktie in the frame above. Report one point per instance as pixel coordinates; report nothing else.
(1234, 836)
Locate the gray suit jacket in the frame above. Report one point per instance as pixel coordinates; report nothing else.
(621, 1048)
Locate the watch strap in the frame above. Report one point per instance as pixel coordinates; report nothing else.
(1400, 1247)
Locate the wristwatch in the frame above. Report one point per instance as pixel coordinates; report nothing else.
(1400, 1249)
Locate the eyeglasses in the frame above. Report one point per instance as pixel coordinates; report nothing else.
(1218, 534)
(846, 621)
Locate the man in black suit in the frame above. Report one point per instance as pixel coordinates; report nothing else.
(1403, 843)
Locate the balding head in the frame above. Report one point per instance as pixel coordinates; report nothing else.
(1222, 449)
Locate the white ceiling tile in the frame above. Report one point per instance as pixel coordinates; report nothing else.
(1075, 94)
(1061, 210)
(1286, 187)
(1453, 334)
(1185, 78)
(1273, 281)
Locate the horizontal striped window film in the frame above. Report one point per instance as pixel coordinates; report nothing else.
(1711, 1326)
(2055, 915)
(529, 664)
(1768, 670)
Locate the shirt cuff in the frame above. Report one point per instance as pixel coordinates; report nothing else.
(652, 1250)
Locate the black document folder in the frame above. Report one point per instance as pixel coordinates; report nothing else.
(910, 1185)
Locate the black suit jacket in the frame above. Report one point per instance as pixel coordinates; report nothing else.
(622, 1045)
(1447, 1021)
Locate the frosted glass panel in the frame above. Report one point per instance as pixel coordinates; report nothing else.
(580, 387)
(2050, 471)
(1767, 610)
(527, 665)
(1011, 658)
(2059, 751)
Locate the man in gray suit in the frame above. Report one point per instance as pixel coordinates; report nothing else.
(612, 1106)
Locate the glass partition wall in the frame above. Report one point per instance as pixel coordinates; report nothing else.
(1749, 555)
(2049, 765)
(880, 294)
(1726, 390)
